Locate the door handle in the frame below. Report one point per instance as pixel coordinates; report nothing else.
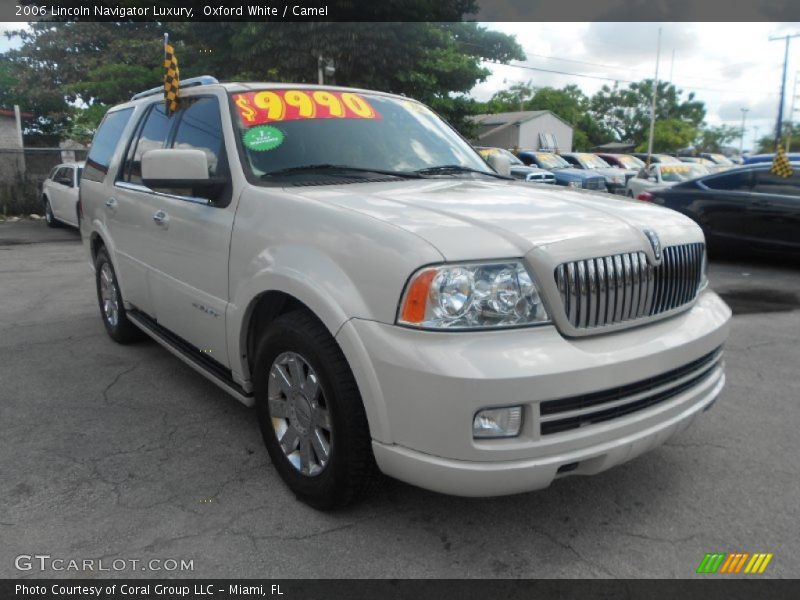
(111, 203)
(160, 217)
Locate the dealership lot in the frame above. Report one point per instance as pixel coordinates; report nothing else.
(119, 452)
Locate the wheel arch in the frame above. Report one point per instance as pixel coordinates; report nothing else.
(265, 306)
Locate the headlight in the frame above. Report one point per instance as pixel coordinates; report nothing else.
(469, 296)
(575, 184)
(617, 179)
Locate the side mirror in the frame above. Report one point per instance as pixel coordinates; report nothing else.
(182, 169)
(499, 163)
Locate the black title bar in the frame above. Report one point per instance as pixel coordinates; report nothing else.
(401, 10)
(708, 588)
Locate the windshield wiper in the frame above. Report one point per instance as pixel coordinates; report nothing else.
(342, 170)
(445, 169)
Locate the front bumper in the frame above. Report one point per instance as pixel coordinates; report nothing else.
(422, 389)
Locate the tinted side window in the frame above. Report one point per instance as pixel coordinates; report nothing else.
(153, 135)
(738, 181)
(200, 128)
(769, 183)
(105, 142)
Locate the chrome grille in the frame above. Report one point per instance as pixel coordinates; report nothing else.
(595, 183)
(596, 292)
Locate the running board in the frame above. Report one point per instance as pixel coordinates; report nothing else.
(202, 363)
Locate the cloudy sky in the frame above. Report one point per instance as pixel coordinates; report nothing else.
(729, 66)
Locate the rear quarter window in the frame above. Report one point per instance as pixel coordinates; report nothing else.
(105, 142)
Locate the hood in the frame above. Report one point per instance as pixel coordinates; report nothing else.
(468, 219)
(524, 169)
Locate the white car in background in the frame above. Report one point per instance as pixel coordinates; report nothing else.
(661, 175)
(60, 194)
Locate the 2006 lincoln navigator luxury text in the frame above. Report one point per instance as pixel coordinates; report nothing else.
(345, 262)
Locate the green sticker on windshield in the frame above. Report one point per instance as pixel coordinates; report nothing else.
(263, 138)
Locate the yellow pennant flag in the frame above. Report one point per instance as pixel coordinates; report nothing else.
(781, 165)
(172, 79)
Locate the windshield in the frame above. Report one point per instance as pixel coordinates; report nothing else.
(286, 132)
(666, 159)
(720, 159)
(551, 161)
(630, 162)
(590, 161)
(678, 173)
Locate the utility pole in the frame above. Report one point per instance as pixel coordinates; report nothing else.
(779, 125)
(791, 114)
(741, 140)
(653, 107)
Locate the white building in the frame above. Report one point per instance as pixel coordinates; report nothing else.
(525, 130)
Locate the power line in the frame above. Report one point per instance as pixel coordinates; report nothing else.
(616, 67)
(620, 80)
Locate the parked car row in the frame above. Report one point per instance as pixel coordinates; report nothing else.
(605, 172)
(519, 170)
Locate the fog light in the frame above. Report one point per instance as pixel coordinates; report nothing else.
(497, 422)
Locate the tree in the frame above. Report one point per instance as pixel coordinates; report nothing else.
(568, 103)
(626, 111)
(766, 145)
(63, 65)
(712, 139)
(83, 63)
(670, 135)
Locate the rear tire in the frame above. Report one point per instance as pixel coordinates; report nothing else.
(311, 414)
(49, 217)
(109, 298)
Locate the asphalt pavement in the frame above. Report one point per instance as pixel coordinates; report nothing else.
(123, 453)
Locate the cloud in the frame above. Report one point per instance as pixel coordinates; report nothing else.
(635, 43)
(764, 109)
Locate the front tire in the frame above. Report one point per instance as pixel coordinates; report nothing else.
(311, 414)
(49, 217)
(109, 297)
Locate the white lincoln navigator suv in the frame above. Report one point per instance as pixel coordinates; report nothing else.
(346, 263)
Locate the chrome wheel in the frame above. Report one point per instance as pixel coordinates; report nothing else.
(300, 417)
(109, 295)
(48, 212)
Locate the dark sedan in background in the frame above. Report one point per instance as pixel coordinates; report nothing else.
(743, 209)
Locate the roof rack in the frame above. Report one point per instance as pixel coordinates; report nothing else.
(191, 82)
